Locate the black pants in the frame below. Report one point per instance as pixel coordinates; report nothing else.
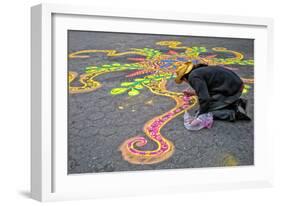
(224, 114)
(225, 107)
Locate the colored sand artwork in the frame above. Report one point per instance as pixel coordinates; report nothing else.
(151, 69)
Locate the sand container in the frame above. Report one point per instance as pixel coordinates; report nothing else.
(198, 122)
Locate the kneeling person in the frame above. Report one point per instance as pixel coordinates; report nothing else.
(218, 90)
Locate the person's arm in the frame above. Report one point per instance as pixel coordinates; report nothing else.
(201, 89)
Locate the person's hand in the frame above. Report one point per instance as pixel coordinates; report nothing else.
(188, 92)
(195, 122)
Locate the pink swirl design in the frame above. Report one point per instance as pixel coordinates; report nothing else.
(131, 148)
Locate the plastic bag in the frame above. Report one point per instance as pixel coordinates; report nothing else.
(197, 123)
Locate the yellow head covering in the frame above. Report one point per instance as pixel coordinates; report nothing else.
(183, 69)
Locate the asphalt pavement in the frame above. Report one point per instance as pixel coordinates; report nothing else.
(97, 126)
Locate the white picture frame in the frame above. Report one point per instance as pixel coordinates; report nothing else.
(49, 179)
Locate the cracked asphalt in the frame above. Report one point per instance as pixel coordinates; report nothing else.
(97, 126)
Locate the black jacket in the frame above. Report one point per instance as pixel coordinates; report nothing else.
(215, 86)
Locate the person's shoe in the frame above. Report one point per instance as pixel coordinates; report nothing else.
(241, 110)
(241, 116)
(243, 103)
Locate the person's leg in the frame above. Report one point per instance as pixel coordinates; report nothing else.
(219, 101)
(224, 114)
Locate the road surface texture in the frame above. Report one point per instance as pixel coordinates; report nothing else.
(97, 126)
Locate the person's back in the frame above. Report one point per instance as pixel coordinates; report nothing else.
(218, 80)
